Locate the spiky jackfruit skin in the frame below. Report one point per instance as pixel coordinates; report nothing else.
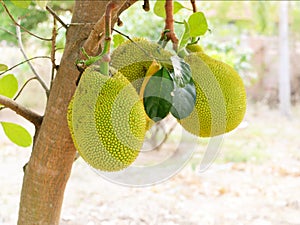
(107, 121)
(221, 97)
(133, 59)
(194, 48)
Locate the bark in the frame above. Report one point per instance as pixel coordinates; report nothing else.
(53, 152)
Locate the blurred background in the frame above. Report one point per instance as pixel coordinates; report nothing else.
(255, 178)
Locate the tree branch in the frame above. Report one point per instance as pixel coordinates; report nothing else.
(193, 2)
(92, 44)
(53, 51)
(18, 25)
(7, 31)
(18, 30)
(31, 116)
(55, 16)
(25, 61)
(168, 33)
(24, 85)
(146, 5)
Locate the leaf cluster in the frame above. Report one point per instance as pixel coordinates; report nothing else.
(9, 88)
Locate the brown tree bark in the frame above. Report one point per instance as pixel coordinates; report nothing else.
(53, 152)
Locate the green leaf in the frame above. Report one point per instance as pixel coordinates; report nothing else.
(21, 3)
(3, 67)
(17, 134)
(184, 37)
(118, 39)
(159, 8)
(177, 7)
(182, 71)
(8, 85)
(184, 100)
(198, 24)
(158, 95)
(41, 3)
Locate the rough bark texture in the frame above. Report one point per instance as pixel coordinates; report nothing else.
(53, 153)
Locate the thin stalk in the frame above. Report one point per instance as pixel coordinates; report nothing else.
(18, 30)
(25, 61)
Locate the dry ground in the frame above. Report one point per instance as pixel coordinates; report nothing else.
(254, 181)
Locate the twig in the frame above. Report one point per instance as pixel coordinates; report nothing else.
(7, 31)
(92, 44)
(104, 56)
(119, 22)
(18, 25)
(25, 61)
(31, 116)
(106, 49)
(124, 35)
(167, 135)
(193, 2)
(108, 20)
(53, 51)
(22, 88)
(146, 5)
(56, 17)
(18, 30)
(168, 33)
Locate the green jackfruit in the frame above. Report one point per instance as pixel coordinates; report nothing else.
(194, 48)
(133, 59)
(107, 120)
(221, 97)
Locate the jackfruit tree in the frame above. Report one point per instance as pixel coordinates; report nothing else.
(101, 102)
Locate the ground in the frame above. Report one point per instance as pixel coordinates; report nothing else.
(254, 181)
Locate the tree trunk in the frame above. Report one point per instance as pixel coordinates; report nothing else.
(284, 61)
(53, 152)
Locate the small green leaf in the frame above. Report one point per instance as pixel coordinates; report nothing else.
(21, 3)
(158, 95)
(118, 39)
(198, 24)
(182, 71)
(177, 7)
(184, 37)
(3, 67)
(41, 3)
(159, 8)
(184, 100)
(8, 85)
(17, 134)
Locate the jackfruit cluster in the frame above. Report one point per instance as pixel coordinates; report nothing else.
(107, 120)
(106, 116)
(220, 96)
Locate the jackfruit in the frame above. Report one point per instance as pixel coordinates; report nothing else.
(194, 48)
(220, 97)
(107, 120)
(133, 59)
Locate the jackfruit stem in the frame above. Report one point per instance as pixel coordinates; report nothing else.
(168, 33)
(146, 5)
(104, 56)
(182, 53)
(193, 2)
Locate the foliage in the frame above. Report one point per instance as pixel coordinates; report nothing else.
(30, 17)
(9, 88)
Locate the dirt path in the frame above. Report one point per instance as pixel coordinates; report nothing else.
(236, 192)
